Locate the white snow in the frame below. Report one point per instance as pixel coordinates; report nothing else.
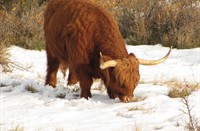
(25, 102)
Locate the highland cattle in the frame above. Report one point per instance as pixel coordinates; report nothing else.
(85, 38)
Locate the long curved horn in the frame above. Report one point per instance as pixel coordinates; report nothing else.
(107, 64)
(154, 62)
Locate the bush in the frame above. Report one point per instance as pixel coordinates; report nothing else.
(22, 25)
(175, 22)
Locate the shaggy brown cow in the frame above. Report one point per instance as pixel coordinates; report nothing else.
(76, 31)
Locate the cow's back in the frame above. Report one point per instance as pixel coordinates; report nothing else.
(72, 28)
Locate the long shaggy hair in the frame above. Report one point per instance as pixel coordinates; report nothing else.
(127, 72)
(76, 31)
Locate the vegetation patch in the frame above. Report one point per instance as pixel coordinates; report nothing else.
(137, 99)
(17, 128)
(171, 23)
(178, 89)
(61, 95)
(136, 108)
(22, 24)
(31, 89)
(192, 123)
(4, 58)
(182, 90)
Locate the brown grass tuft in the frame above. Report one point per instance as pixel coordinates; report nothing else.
(180, 90)
(4, 58)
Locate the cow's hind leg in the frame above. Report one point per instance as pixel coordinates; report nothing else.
(52, 69)
(72, 79)
(85, 80)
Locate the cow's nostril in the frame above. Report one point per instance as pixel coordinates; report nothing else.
(129, 98)
(126, 98)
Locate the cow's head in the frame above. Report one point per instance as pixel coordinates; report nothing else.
(121, 76)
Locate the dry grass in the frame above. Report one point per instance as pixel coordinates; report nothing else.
(31, 89)
(178, 89)
(183, 90)
(137, 99)
(17, 128)
(5, 61)
(59, 129)
(136, 108)
(4, 58)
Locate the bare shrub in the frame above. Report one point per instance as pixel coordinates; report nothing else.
(168, 22)
(22, 25)
(171, 23)
(193, 123)
(174, 22)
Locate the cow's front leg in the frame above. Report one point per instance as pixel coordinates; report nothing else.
(112, 93)
(85, 80)
(72, 79)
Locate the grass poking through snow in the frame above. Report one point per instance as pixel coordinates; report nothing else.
(182, 90)
(178, 89)
(4, 58)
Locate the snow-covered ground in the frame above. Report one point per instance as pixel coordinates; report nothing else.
(25, 102)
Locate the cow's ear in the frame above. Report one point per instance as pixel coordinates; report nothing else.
(131, 55)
